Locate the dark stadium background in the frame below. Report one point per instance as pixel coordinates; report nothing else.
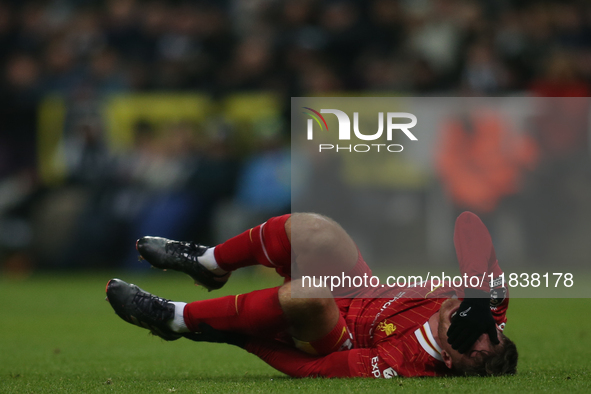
(125, 118)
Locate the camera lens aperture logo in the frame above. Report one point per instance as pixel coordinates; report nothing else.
(344, 132)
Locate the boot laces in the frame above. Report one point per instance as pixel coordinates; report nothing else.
(152, 305)
(185, 249)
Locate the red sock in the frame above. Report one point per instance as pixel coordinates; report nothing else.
(265, 244)
(257, 313)
(339, 338)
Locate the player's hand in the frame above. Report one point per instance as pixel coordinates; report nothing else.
(209, 334)
(473, 319)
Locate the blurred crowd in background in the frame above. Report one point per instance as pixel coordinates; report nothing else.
(182, 179)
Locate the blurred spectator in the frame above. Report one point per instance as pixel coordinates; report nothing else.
(557, 193)
(483, 73)
(19, 97)
(156, 198)
(560, 78)
(251, 67)
(263, 185)
(481, 160)
(436, 39)
(85, 153)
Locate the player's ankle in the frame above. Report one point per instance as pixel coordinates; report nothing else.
(208, 260)
(177, 324)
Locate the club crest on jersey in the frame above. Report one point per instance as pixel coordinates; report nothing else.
(387, 328)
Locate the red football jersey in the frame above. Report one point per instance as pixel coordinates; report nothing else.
(390, 326)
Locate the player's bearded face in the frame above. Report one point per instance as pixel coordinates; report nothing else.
(447, 310)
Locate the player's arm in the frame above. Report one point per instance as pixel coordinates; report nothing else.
(474, 249)
(477, 257)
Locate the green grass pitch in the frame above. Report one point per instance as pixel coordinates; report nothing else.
(58, 334)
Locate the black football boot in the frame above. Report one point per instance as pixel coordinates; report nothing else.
(180, 256)
(141, 308)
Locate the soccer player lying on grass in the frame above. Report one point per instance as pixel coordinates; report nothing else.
(413, 332)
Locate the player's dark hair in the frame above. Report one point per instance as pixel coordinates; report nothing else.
(503, 361)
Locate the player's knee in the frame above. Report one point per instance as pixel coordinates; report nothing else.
(319, 306)
(314, 233)
(304, 310)
(308, 302)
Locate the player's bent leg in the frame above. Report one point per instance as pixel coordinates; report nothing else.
(256, 314)
(316, 324)
(265, 244)
(309, 318)
(320, 245)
